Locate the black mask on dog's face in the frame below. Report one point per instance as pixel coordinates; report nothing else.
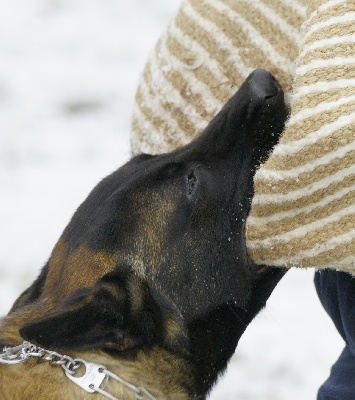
(175, 222)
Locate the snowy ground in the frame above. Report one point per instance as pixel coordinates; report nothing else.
(68, 72)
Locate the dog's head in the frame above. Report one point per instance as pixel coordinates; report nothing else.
(160, 243)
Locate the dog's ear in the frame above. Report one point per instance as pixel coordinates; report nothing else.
(97, 322)
(101, 317)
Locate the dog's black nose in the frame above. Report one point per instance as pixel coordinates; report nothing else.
(256, 115)
(262, 85)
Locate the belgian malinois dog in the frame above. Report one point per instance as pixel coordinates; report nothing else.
(151, 277)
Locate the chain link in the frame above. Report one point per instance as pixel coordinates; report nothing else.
(90, 381)
(20, 354)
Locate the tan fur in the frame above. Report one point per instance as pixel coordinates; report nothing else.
(146, 253)
(80, 269)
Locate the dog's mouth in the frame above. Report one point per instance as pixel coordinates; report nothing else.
(266, 272)
(265, 279)
(262, 269)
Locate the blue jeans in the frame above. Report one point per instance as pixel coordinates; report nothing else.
(336, 291)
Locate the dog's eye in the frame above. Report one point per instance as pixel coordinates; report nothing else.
(191, 182)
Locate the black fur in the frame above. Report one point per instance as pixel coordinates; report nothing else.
(193, 203)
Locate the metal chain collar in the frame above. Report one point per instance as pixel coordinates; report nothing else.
(93, 377)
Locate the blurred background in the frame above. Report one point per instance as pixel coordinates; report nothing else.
(68, 73)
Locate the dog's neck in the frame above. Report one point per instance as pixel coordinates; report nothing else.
(188, 372)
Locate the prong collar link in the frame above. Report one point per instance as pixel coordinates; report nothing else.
(92, 379)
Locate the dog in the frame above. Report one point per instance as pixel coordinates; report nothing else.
(151, 277)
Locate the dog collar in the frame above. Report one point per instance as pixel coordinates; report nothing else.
(93, 376)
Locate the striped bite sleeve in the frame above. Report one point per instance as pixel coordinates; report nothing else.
(303, 211)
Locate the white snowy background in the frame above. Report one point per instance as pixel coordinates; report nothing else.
(68, 73)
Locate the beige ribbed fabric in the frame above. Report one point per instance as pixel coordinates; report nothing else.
(204, 55)
(303, 212)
